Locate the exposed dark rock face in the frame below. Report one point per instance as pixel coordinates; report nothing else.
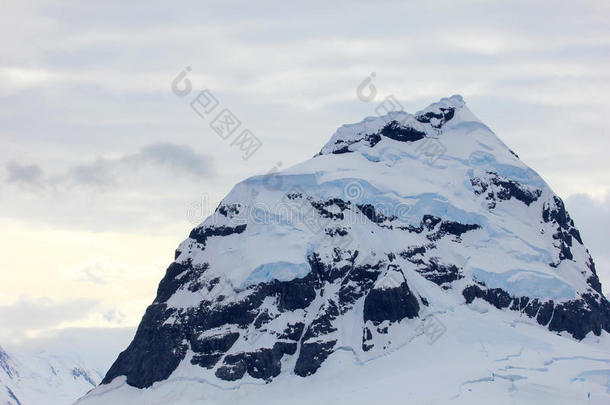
(394, 130)
(593, 280)
(391, 304)
(344, 146)
(312, 356)
(211, 330)
(153, 354)
(373, 139)
(401, 128)
(452, 228)
(170, 283)
(230, 210)
(554, 212)
(371, 213)
(578, 317)
(322, 207)
(428, 223)
(412, 252)
(367, 338)
(293, 331)
(356, 284)
(442, 117)
(212, 348)
(498, 188)
(311, 342)
(263, 363)
(438, 273)
(564, 236)
(495, 296)
(201, 234)
(341, 231)
(234, 368)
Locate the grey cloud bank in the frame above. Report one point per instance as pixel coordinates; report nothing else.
(103, 171)
(25, 173)
(180, 158)
(40, 313)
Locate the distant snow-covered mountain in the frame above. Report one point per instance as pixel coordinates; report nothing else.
(415, 258)
(43, 378)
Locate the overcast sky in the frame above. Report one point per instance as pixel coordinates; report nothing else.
(104, 170)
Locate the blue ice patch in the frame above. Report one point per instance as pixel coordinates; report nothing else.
(281, 271)
(524, 175)
(526, 283)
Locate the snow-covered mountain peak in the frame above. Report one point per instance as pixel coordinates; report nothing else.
(401, 219)
(7, 365)
(456, 102)
(28, 378)
(400, 126)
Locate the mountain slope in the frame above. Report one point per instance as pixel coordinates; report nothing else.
(403, 227)
(43, 378)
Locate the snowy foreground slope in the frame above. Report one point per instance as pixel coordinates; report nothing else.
(42, 378)
(414, 258)
(481, 359)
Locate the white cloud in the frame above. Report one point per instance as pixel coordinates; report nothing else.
(96, 193)
(104, 171)
(32, 314)
(180, 158)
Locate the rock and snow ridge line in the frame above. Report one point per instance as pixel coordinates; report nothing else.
(249, 300)
(399, 126)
